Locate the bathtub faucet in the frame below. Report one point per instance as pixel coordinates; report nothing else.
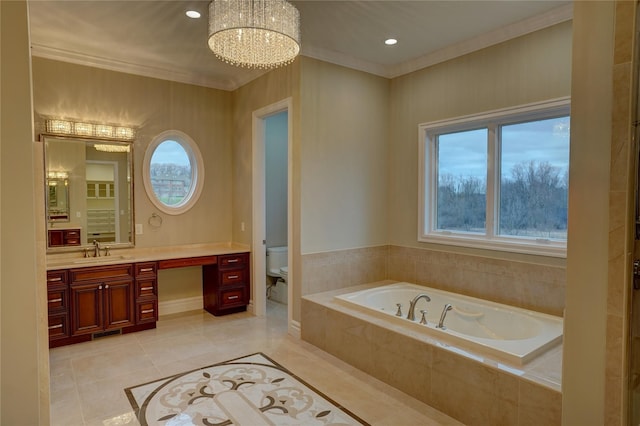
(446, 309)
(411, 315)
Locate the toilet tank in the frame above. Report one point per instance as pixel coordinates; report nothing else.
(276, 259)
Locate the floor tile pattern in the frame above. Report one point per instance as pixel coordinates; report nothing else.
(249, 390)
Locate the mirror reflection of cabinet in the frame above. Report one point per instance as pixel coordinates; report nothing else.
(99, 182)
(63, 237)
(100, 190)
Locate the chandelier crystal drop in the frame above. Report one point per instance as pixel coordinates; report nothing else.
(259, 34)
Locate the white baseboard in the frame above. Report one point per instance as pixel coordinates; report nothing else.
(180, 305)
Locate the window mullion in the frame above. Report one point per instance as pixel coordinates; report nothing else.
(492, 153)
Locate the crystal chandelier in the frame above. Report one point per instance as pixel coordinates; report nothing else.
(254, 33)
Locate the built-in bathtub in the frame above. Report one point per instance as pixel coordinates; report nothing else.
(511, 334)
(473, 385)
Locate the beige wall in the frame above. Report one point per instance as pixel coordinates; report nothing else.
(24, 368)
(344, 116)
(585, 318)
(599, 262)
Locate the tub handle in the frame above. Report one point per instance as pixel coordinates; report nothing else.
(399, 312)
(446, 309)
(423, 320)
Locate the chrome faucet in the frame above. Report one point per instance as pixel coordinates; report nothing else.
(411, 316)
(96, 251)
(446, 309)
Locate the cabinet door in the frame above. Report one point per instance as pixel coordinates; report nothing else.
(86, 302)
(119, 308)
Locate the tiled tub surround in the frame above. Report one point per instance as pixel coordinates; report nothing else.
(471, 387)
(529, 285)
(514, 335)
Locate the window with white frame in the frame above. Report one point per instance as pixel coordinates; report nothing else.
(497, 180)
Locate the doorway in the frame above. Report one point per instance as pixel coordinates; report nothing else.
(263, 120)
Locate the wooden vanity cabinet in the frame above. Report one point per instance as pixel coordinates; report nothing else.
(101, 298)
(146, 292)
(226, 288)
(58, 306)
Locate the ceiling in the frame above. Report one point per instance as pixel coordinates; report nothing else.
(156, 39)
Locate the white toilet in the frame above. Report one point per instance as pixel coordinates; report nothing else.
(277, 269)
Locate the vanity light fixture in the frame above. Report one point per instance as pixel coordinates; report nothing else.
(58, 126)
(111, 148)
(57, 175)
(260, 34)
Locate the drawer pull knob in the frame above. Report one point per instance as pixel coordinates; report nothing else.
(53, 280)
(55, 300)
(146, 269)
(233, 297)
(146, 288)
(233, 277)
(51, 327)
(232, 260)
(146, 311)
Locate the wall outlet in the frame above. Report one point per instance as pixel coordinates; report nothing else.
(242, 226)
(138, 229)
(78, 214)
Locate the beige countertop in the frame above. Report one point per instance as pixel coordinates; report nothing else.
(143, 254)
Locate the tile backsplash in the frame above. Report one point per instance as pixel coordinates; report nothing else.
(527, 285)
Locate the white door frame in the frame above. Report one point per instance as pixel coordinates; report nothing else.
(259, 210)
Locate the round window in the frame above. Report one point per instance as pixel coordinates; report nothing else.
(173, 172)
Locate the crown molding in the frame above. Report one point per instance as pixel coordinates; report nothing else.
(130, 68)
(526, 26)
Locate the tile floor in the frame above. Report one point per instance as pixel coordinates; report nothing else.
(88, 379)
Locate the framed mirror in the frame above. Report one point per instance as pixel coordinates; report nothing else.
(89, 192)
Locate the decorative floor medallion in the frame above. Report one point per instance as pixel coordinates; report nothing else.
(250, 391)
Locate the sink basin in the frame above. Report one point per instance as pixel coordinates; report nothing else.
(102, 259)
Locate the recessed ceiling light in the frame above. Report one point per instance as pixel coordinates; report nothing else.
(390, 41)
(193, 14)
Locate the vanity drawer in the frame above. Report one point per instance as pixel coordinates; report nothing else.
(146, 311)
(187, 261)
(232, 277)
(233, 261)
(233, 297)
(58, 326)
(58, 299)
(146, 288)
(146, 268)
(56, 278)
(101, 273)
